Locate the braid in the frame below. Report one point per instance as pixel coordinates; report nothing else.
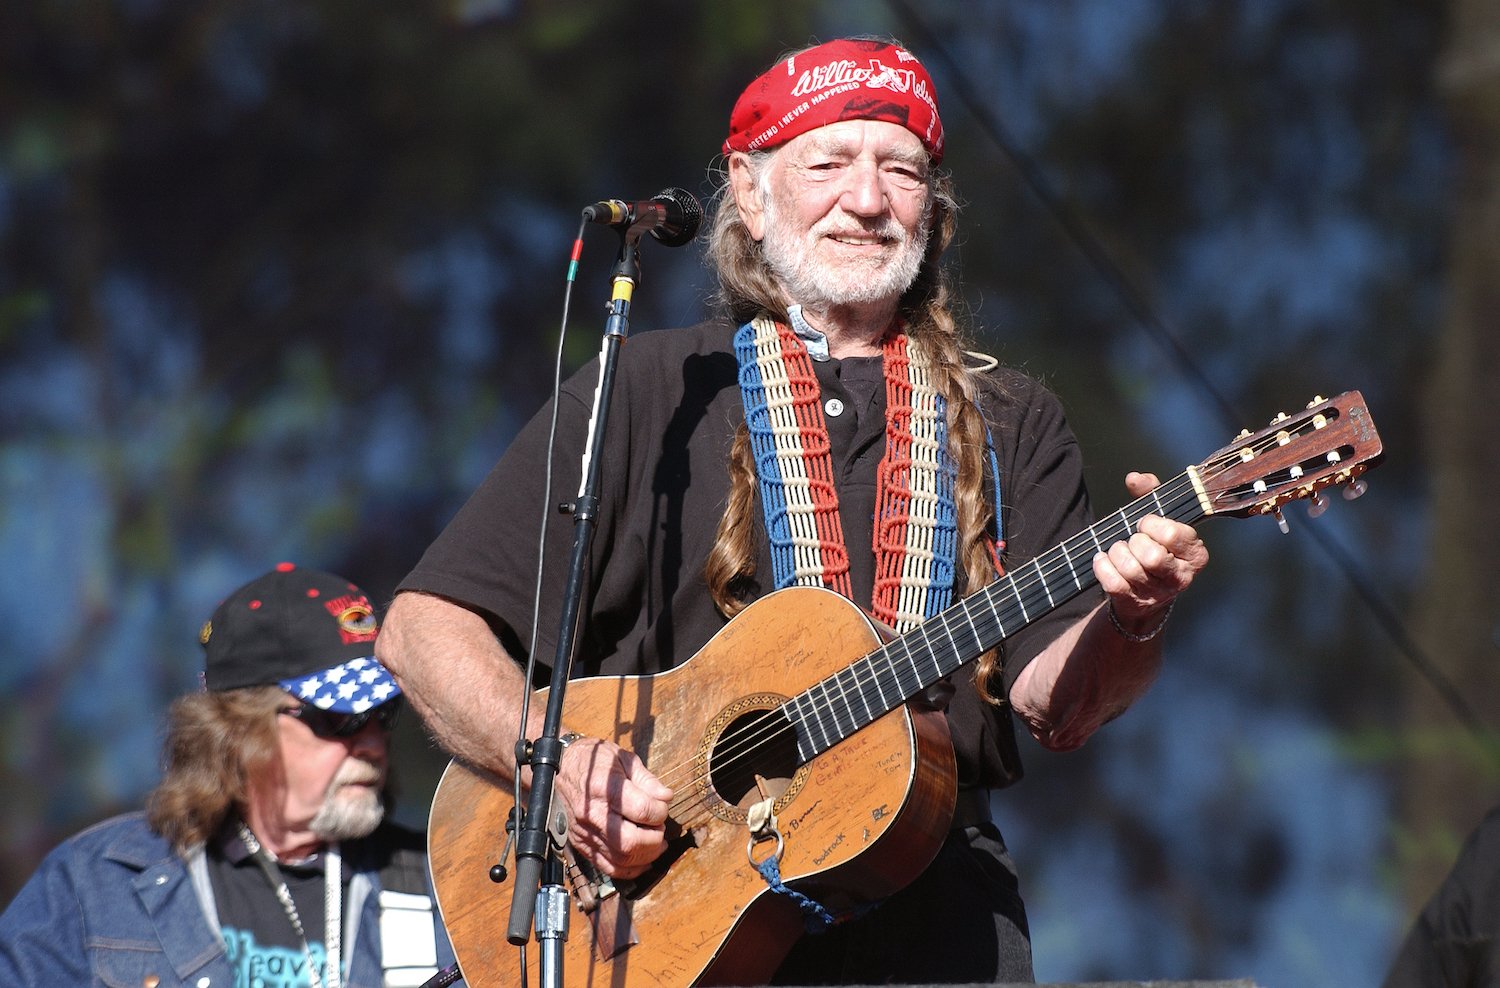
(746, 289)
(929, 316)
(731, 562)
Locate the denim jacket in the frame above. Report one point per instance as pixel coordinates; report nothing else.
(114, 906)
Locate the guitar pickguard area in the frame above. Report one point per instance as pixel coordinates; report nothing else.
(749, 754)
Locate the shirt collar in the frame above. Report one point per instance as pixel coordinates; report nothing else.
(816, 340)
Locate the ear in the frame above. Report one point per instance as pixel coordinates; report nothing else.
(746, 192)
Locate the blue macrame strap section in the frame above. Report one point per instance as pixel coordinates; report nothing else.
(815, 917)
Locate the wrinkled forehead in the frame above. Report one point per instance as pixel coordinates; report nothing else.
(885, 142)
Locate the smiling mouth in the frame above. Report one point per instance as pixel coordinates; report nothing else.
(859, 240)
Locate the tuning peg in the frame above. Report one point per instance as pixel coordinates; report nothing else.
(1355, 489)
(1317, 400)
(1316, 505)
(1281, 522)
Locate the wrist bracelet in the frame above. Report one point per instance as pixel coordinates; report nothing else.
(1131, 636)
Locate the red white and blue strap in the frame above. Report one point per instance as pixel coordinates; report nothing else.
(789, 441)
(915, 531)
(916, 528)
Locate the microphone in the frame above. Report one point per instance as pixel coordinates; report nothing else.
(671, 216)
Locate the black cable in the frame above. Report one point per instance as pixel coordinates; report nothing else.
(1387, 618)
(1140, 308)
(1077, 231)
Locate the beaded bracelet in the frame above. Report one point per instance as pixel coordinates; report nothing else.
(1131, 636)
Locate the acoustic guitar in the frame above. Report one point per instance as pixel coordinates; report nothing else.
(788, 738)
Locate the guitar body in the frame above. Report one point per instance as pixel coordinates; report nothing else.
(857, 822)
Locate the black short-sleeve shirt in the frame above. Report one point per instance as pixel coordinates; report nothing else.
(664, 486)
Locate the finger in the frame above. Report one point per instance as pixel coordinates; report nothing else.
(1127, 563)
(1179, 539)
(643, 806)
(636, 771)
(1111, 581)
(1140, 484)
(626, 854)
(1155, 558)
(632, 846)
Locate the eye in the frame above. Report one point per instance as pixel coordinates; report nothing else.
(907, 176)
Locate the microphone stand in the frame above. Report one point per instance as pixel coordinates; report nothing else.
(541, 832)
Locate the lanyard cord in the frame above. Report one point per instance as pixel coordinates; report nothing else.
(332, 906)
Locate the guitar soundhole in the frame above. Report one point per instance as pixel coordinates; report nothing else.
(755, 758)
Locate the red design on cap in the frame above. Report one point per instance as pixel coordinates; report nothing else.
(355, 616)
(840, 80)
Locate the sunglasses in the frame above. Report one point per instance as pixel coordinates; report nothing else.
(327, 724)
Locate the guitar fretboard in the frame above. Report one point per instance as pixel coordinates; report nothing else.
(872, 686)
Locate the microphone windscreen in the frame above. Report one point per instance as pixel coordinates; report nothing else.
(685, 217)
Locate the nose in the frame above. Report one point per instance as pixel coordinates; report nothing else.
(370, 742)
(864, 194)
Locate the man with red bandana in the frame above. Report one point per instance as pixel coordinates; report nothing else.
(830, 429)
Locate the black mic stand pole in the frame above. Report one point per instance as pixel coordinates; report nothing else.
(542, 831)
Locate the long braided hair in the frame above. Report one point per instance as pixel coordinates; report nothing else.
(747, 288)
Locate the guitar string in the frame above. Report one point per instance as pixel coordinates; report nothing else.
(773, 723)
(1024, 586)
(906, 678)
(899, 668)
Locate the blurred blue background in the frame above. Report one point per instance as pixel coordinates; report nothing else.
(279, 281)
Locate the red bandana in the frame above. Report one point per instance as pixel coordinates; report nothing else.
(840, 80)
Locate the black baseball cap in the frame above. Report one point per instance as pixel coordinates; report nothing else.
(311, 633)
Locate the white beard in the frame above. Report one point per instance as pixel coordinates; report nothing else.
(818, 285)
(349, 811)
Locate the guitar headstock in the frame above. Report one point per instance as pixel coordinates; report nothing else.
(1331, 441)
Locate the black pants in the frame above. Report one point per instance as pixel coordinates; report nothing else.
(961, 922)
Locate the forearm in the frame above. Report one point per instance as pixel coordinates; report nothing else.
(1105, 661)
(1084, 679)
(460, 680)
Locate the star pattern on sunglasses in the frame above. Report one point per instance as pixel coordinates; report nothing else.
(351, 687)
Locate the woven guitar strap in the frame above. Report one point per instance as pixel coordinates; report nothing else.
(915, 531)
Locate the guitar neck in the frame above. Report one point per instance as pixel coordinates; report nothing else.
(832, 710)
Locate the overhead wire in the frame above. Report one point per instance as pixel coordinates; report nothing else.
(1150, 321)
